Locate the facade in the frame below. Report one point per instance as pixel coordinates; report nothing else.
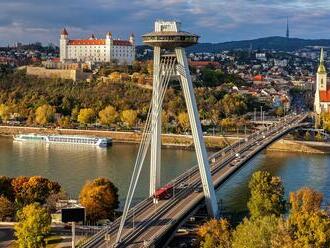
(322, 93)
(97, 50)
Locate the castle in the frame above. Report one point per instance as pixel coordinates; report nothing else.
(97, 50)
(322, 93)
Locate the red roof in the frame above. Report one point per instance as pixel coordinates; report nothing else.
(325, 96)
(258, 78)
(121, 43)
(86, 42)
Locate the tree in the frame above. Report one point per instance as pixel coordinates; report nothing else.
(108, 115)
(100, 198)
(129, 117)
(279, 111)
(44, 114)
(215, 233)
(183, 119)
(86, 116)
(255, 233)
(308, 225)
(32, 227)
(6, 188)
(233, 104)
(7, 208)
(64, 122)
(4, 112)
(34, 189)
(267, 195)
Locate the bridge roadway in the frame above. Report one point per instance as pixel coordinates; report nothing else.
(148, 222)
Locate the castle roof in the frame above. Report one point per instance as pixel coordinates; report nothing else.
(324, 95)
(86, 42)
(98, 42)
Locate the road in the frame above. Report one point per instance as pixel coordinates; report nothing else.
(148, 222)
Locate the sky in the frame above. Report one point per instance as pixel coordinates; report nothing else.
(214, 20)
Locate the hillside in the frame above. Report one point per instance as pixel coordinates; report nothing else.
(275, 42)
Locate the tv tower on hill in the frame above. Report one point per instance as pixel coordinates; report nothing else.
(287, 28)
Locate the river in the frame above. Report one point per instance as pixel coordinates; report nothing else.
(73, 165)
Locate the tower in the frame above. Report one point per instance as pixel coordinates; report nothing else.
(63, 45)
(287, 28)
(109, 46)
(132, 38)
(321, 83)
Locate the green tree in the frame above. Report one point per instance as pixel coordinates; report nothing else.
(308, 136)
(267, 195)
(255, 233)
(279, 111)
(318, 137)
(233, 104)
(86, 116)
(129, 117)
(44, 114)
(183, 120)
(108, 115)
(7, 208)
(215, 233)
(32, 227)
(100, 198)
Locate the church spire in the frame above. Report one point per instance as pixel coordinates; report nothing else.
(321, 68)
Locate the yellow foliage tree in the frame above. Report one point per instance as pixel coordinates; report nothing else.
(44, 114)
(4, 112)
(108, 115)
(129, 117)
(32, 227)
(183, 120)
(86, 116)
(100, 198)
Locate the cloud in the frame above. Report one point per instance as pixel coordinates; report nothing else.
(214, 20)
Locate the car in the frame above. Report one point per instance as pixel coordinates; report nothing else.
(198, 190)
(183, 185)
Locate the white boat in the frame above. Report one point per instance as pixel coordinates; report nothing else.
(80, 140)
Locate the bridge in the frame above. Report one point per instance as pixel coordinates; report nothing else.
(150, 225)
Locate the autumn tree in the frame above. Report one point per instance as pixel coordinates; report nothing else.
(267, 195)
(129, 117)
(7, 208)
(64, 122)
(255, 233)
(6, 188)
(108, 115)
(34, 189)
(32, 227)
(86, 116)
(233, 104)
(4, 112)
(100, 198)
(44, 114)
(308, 225)
(215, 233)
(183, 120)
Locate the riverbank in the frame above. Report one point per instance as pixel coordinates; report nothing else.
(173, 140)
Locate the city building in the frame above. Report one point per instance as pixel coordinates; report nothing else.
(322, 92)
(97, 50)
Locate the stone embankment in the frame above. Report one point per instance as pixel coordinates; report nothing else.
(172, 140)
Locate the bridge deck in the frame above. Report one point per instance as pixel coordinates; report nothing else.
(148, 222)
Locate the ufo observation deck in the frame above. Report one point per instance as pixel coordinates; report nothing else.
(170, 39)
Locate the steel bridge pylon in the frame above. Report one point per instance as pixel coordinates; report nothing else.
(170, 61)
(167, 35)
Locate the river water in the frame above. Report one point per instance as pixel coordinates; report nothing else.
(73, 165)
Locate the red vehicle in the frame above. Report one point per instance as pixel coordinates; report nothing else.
(164, 192)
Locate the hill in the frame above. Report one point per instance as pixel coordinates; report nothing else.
(275, 43)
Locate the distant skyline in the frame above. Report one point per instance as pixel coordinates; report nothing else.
(215, 21)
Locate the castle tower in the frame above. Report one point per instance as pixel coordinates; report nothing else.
(321, 83)
(63, 45)
(109, 46)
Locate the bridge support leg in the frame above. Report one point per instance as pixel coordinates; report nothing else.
(155, 149)
(202, 158)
